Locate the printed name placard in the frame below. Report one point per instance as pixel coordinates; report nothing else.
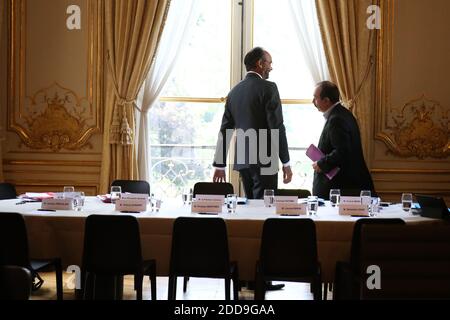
(350, 200)
(140, 196)
(200, 206)
(286, 199)
(353, 210)
(134, 205)
(57, 204)
(290, 209)
(210, 197)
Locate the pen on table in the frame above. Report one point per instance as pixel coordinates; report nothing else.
(46, 210)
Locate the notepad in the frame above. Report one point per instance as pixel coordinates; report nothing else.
(315, 154)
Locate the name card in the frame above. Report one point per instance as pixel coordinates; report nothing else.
(140, 196)
(133, 205)
(350, 200)
(286, 199)
(210, 197)
(290, 209)
(354, 210)
(200, 206)
(57, 204)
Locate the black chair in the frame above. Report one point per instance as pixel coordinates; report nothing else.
(300, 193)
(14, 250)
(200, 249)
(15, 283)
(413, 261)
(346, 277)
(7, 191)
(288, 253)
(133, 186)
(213, 188)
(112, 249)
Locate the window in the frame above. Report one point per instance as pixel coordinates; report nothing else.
(185, 123)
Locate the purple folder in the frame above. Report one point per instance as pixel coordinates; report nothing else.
(315, 154)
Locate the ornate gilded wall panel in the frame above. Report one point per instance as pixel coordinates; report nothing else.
(55, 74)
(412, 101)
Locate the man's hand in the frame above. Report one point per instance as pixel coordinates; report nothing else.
(219, 176)
(316, 167)
(287, 174)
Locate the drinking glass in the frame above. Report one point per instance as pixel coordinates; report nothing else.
(269, 197)
(366, 197)
(231, 203)
(187, 196)
(68, 191)
(375, 208)
(116, 192)
(313, 204)
(335, 195)
(407, 200)
(78, 201)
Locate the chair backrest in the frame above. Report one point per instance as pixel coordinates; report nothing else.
(300, 193)
(213, 188)
(112, 244)
(15, 283)
(355, 251)
(199, 247)
(289, 247)
(133, 186)
(13, 240)
(7, 191)
(414, 261)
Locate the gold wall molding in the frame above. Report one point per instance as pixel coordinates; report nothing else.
(420, 128)
(54, 118)
(56, 163)
(410, 171)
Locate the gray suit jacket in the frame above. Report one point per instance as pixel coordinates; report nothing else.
(255, 104)
(340, 141)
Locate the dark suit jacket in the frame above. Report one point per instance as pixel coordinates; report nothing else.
(253, 103)
(340, 141)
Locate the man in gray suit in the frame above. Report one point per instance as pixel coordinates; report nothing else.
(340, 142)
(253, 110)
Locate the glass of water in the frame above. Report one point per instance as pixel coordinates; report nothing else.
(231, 203)
(335, 195)
(116, 192)
(313, 205)
(78, 201)
(366, 197)
(407, 200)
(269, 197)
(187, 196)
(68, 191)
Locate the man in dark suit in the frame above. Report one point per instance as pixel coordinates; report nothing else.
(253, 111)
(340, 142)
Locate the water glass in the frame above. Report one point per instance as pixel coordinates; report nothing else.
(335, 195)
(78, 201)
(375, 208)
(366, 197)
(407, 200)
(116, 192)
(231, 203)
(68, 192)
(269, 197)
(187, 196)
(313, 205)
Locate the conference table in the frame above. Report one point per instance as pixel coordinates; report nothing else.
(60, 233)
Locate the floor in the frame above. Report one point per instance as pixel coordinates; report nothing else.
(198, 289)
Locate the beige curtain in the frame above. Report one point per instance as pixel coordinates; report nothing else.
(350, 50)
(2, 130)
(132, 30)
